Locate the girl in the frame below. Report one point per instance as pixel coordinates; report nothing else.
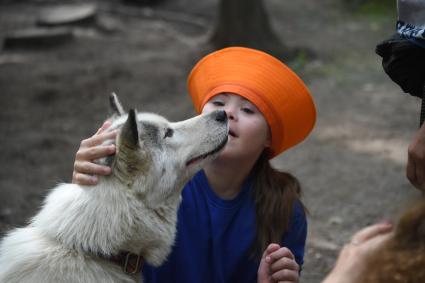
(240, 220)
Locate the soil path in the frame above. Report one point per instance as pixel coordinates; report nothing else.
(351, 168)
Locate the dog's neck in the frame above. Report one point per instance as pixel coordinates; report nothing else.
(107, 219)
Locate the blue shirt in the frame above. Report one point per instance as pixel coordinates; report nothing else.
(215, 237)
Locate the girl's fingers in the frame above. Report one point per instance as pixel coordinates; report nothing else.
(272, 248)
(85, 167)
(84, 179)
(96, 152)
(284, 263)
(105, 125)
(98, 139)
(85, 170)
(286, 275)
(282, 252)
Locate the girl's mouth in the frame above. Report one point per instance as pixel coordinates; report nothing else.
(232, 134)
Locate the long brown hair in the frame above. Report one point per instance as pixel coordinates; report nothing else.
(402, 257)
(275, 194)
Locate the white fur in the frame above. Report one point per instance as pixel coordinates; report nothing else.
(126, 211)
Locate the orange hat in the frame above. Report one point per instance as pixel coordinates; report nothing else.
(270, 85)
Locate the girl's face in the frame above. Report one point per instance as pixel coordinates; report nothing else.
(249, 132)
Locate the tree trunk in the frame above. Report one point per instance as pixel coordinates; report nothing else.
(245, 23)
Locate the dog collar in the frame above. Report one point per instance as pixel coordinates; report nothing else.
(131, 263)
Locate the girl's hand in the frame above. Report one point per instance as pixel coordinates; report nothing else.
(85, 170)
(278, 265)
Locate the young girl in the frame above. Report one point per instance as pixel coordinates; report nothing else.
(240, 220)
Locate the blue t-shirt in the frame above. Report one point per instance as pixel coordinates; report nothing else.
(215, 236)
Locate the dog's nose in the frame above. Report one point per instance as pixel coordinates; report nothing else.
(221, 116)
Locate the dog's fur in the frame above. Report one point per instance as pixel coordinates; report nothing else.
(134, 209)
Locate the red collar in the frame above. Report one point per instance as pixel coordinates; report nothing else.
(131, 263)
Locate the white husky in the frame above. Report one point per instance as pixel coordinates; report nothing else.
(103, 233)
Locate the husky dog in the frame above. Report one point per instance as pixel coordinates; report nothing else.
(102, 233)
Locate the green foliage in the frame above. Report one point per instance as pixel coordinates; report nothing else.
(299, 60)
(373, 7)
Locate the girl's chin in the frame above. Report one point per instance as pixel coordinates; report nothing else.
(229, 153)
(224, 153)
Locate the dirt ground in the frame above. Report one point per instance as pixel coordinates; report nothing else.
(351, 167)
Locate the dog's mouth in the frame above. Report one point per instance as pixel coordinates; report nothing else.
(205, 155)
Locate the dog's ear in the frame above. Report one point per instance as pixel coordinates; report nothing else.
(130, 130)
(115, 104)
(131, 159)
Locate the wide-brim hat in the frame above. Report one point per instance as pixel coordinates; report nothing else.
(280, 95)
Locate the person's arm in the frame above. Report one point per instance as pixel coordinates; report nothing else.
(415, 170)
(85, 171)
(353, 258)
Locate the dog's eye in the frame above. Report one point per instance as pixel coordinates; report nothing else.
(168, 133)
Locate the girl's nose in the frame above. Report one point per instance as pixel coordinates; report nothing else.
(230, 113)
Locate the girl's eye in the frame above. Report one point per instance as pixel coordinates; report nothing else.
(218, 103)
(248, 110)
(168, 133)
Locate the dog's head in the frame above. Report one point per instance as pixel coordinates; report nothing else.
(155, 157)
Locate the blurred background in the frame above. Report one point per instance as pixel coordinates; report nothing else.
(61, 59)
